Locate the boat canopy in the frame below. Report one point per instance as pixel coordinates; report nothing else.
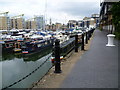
(36, 36)
(40, 33)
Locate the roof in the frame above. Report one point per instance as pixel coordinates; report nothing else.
(111, 0)
(107, 2)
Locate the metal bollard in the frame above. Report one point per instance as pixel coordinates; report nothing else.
(91, 32)
(88, 35)
(86, 38)
(57, 57)
(82, 47)
(76, 43)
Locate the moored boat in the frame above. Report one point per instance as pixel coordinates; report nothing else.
(8, 45)
(18, 44)
(36, 46)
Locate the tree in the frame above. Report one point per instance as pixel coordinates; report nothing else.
(116, 18)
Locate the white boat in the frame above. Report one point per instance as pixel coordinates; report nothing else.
(61, 37)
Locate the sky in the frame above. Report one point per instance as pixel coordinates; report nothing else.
(58, 10)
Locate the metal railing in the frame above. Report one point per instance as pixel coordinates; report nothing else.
(63, 49)
(74, 43)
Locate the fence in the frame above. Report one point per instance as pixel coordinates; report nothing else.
(74, 43)
(62, 50)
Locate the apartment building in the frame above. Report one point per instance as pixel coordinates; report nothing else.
(54, 27)
(28, 24)
(31, 24)
(89, 22)
(4, 23)
(40, 21)
(58, 26)
(106, 15)
(47, 27)
(17, 23)
(72, 24)
(96, 19)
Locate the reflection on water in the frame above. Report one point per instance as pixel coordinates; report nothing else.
(36, 55)
(16, 66)
(26, 57)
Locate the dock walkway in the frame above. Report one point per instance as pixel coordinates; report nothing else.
(97, 67)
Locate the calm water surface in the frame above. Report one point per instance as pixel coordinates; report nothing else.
(15, 66)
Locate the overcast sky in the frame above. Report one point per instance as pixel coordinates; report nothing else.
(57, 10)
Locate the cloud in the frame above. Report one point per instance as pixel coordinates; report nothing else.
(73, 9)
(80, 9)
(58, 10)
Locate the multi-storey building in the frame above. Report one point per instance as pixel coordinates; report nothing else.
(58, 26)
(40, 22)
(17, 23)
(54, 27)
(72, 24)
(47, 27)
(80, 23)
(4, 23)
(31, 24)
(34, 25)
(89, 22)
(106, 15)
(96, 19)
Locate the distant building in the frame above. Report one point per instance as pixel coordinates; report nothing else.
(4, 23)
(54, 27)
(18, 23)
(89, 22)
(106, 15)
(97, 19)
(31, 24)
(72, 24)
(47, 27)
(64, 27)
(80, 23)
(58, 26)
(28, 24)
(40, 22)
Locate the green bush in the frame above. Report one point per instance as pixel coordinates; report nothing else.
(116, 18)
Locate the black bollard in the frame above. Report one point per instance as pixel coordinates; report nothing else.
(82, 47)
(88, 35)
(91, 32)
(57, 57)
(76, 43)
(86, 38)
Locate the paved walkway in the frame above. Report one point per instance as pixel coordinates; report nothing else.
(97, 68)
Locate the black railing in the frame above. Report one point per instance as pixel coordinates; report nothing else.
(67, 47)
(61, 50)
(73, 43)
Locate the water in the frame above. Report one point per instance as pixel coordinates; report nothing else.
(16, 66)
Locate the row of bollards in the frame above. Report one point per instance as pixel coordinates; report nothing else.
(57, 62)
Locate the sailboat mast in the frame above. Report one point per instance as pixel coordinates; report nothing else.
(45, 15)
